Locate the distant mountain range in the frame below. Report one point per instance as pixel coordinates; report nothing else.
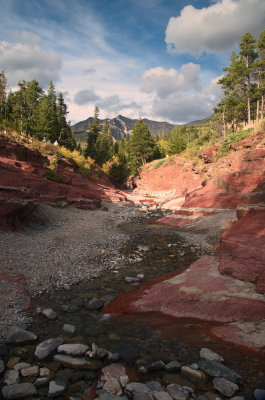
(121, 127)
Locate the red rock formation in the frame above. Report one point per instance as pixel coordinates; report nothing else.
(21, 180)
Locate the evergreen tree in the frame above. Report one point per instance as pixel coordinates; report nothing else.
(260, 75)
(47, 122)
(248, 56)
(92, 136)
(176, 141)
(33, 93)
(104, 145)
(65, 134)
(142, 147)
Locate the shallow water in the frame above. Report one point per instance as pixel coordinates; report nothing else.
(153, 336)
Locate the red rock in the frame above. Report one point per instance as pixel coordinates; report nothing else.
(209, 155)
(21, 178)
(243, 248)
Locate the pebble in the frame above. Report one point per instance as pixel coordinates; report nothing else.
(19, 391)
(259, 394)
(173, 366)
(113, 386)
(56, 388)
(30, 371)
(210, 355)
(19, 366)
(16, 334)
(94, 304)
(225, 387)
(49, 313)
(45, 348)
(11, 377)
(215, 369)
(2, 366)
(74, 349)
(69, 329)
(76, 362)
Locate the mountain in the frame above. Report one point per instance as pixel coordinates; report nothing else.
(121, 127)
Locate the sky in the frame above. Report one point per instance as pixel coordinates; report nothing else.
(156, 59)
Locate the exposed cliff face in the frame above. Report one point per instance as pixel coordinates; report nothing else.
(22, 185)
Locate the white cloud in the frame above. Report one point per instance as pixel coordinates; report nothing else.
(183, 108)
(215, 28)
(166, 81)
(86, 96)
(27, 62)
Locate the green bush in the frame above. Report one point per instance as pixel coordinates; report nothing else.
(231, 139)
(53, 176)
(158, 163)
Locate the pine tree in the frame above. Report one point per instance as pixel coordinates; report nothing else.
(104, 145)
(47, 123)
(142, 147)
(176, 142)
(260, 75)
(248, 56)
(65, 134)
(33, 93)
(92, 136)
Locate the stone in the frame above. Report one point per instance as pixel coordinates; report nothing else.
(195, 374)
(69, 307)
(19, 391)
(210, 355)
(77, 362)
(143, 396)
(74, 349)
(94, 304)
(161, 396)
(135, 387)
(130, 279)
(40, 382)
(155, 386)
(2, 366)
(178, 392)
(259, 394)
(113, 386)
(124, 380)
(44, 372)
(19, 366)
(225, 387)
(16, 334)
(112, 371)
(109, 396)
(156, 366)
(177, 379)
(173, 366)
(56, 388)
(30, 371)
(69, 329)
(11, 377)
(97, 352)
(45, 348)
(12, 362)
(215, 369)
(49, 314)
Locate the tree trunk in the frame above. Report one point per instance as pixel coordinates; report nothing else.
(257, 112)
(249, 116)
(224, 126)
(262, 106)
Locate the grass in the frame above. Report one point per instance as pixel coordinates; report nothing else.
(232, 139)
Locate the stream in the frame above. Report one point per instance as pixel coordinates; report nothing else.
(153, 252)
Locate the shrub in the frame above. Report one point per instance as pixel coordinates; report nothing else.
(53, 176)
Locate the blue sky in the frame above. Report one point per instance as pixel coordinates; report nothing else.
(158, 59)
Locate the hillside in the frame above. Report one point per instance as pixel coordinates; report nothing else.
(34, 173)
(121, 127)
